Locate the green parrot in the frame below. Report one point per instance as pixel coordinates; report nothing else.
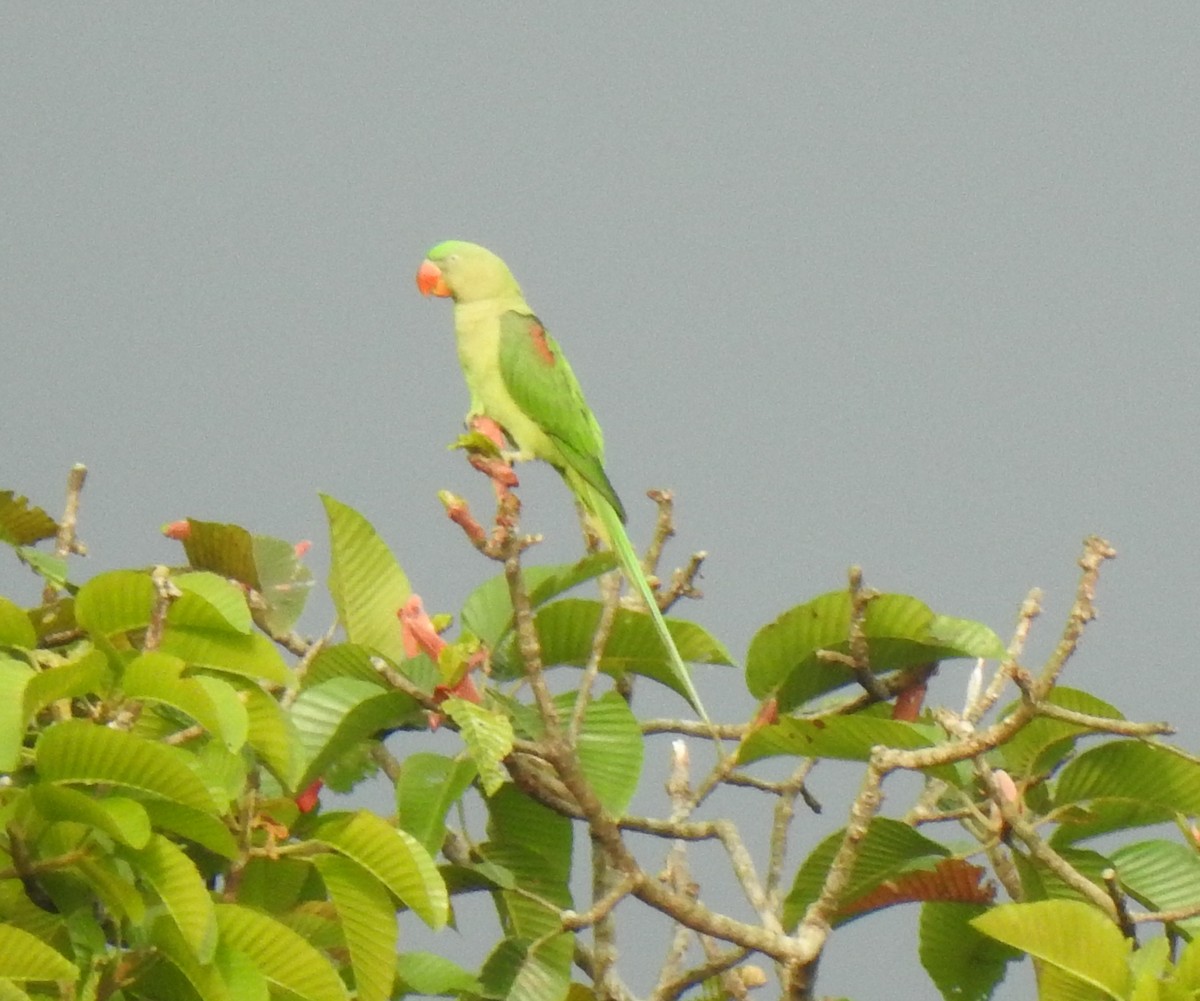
(518, 377)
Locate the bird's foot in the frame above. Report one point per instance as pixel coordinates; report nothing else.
(513, 456)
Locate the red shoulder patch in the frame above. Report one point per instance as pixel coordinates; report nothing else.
(537, 334)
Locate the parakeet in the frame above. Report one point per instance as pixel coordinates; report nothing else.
(517, 376)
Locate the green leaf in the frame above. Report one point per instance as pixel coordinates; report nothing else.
(276, 885)
(489, 738)
(253, 656)
(889, 849)
(1162, 876)
(965, 964)
(9, 991)
(22, 524)
(206, 979)
(846, 738)
(51, 568)
(424, 973)
(610, 748)
(900, 630)
(26, 957)
(158, 677)
(1043, 742)
(1040, 882)
(365, 581)
(274, 737)
(1101, 816)
(209, 602)
(521, 970)
(115, 602)
(966, 637)
(15, 627)
(53, 617)
(488, 612)
(76, 751)
(393, 857)
(15, 676)
(336, 715)
(282, 956)
(1068, 934)
(268, 565)
(285, 582)
(91, 674)
(319, 926)
(224, 772)
(1187, 969)
(567, 628)
(429, 785)
(125, 820)
(1131, 770)
(343, 660)
(1149, 965)
(245, 980)
(368, 922)
(107, 879)
(534, 844)
(204, 829)
(178, 884)
(226, 550)
(1053, 982)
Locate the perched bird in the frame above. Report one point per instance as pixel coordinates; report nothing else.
(517, 376)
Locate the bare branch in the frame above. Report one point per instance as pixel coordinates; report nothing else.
(664, 528)
(610, 590)
(1095, 551)
(66, 541)
(1039, 848)
(1104, 724)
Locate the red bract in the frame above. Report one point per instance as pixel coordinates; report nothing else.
(417, 630)
(307, 800)
(487, 426)
(909, 702)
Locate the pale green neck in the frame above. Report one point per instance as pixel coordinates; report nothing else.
(469, 314)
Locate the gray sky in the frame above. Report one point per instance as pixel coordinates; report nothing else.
(912, 286)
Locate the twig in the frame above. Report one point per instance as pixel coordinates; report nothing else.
(610, 590)
(387, 761)
(614, 990)
(683, 582)
(1031, 608)
(781, 823)
(715, 963)
(1103, 724)
(607, 892)
(1095, 551)
(1039, 848)
(664, 528)
(818, 919)
(690, 728)
(305, 662)
(1120, 903)
(1166, 917)
(528, 645)
(165, 592)
(65, 541)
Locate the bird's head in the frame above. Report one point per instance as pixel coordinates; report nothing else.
(466, 272)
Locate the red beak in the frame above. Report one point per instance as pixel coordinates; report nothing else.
(430, 280)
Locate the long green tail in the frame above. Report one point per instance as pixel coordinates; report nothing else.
(616, 536)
